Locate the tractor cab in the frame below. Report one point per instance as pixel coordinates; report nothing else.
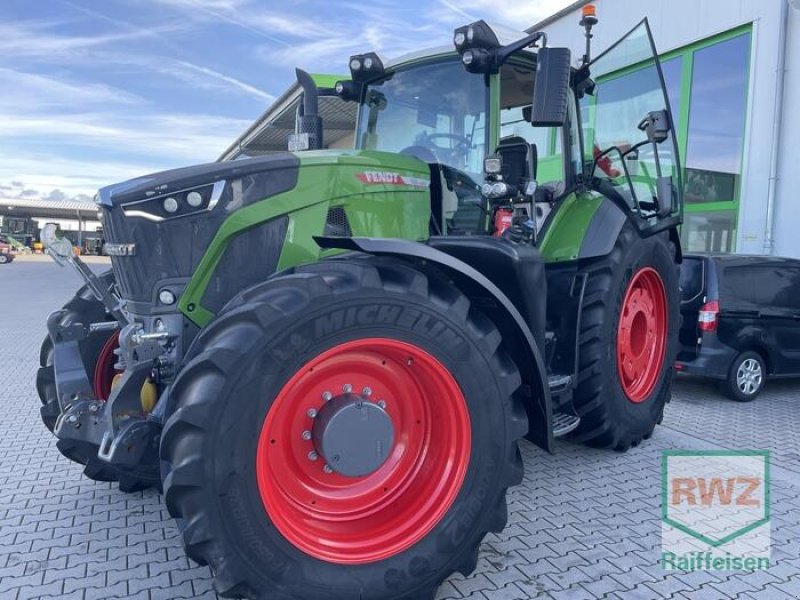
(511, 130)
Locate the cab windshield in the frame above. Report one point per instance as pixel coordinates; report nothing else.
(436, 112)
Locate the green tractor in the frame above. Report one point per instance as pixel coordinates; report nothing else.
(326, 359)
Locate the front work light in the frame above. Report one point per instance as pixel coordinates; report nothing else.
(493, 165)
(365, 66)
(475, 35)
(349, 91)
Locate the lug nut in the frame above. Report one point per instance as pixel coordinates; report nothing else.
(327, 469)
(311, 412)
(306, 435)
(93, 408)
(366, 391)
(313, 455)
(326, 396)
(347, 388)
(382, 403)
(72, 419)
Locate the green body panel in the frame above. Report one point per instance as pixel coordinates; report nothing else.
(375, 208)
(550, 168)
(323, 81)
(564, 235)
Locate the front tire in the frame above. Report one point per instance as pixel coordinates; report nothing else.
(628, 341)
(746, 377)
(265, 513)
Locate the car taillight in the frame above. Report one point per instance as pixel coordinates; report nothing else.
(708, 318)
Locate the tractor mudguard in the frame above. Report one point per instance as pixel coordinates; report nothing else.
(522, 343)
(603, 230)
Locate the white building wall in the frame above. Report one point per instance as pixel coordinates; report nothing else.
(787, 206)
(678, 23)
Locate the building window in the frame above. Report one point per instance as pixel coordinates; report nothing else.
(672, 69)
(716, 121)
(709, 231)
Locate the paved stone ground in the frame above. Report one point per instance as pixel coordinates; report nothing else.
(584, 524)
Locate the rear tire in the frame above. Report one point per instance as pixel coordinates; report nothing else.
(625, 377)
(245, 372)
(746, 377)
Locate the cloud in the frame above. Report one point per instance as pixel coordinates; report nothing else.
(231, 12)
(175, 137)
(516, 15)
(20, 88)
(42, 173)
(26, 40)
(55, 196)
(226, 79)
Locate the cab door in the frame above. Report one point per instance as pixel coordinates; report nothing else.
(628, 134)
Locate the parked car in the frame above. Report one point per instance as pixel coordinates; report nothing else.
(5, 254)
(741, 320)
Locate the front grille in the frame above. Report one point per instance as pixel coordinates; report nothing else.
(249, 258)
(166, 250)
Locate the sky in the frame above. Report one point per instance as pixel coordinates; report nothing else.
(93, 92)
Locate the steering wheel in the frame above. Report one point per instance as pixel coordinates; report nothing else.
(462, 143)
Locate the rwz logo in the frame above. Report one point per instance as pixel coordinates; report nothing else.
(715, 501)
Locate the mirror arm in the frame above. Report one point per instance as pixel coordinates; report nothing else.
(503, 53)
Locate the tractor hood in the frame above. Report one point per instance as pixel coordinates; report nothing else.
(174, 180)
(166, 226)
(379, 169)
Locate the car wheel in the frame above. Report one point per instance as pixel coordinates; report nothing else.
(746, 377)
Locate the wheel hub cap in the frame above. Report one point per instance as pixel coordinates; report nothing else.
(352, 435)
(748, 376)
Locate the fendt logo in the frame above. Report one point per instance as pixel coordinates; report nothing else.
(391, 178)
(715, 510)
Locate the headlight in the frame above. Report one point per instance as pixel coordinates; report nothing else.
(170, 205)
(178, 203)
(194, 199)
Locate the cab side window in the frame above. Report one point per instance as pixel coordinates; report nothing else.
(516, 93)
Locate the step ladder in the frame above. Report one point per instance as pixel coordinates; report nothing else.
(563, 423)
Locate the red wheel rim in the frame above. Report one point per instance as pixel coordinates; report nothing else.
(357, 520)
(104, 370)
(642, 334)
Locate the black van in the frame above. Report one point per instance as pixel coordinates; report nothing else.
(741, 320)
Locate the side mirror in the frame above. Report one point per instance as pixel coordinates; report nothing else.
(656, 126)
(551, 87)
(59, 248)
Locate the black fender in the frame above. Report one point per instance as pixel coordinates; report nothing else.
(606, 224)
(523, 348)
(603, 230)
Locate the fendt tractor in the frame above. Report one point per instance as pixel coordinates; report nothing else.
(326, 358)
